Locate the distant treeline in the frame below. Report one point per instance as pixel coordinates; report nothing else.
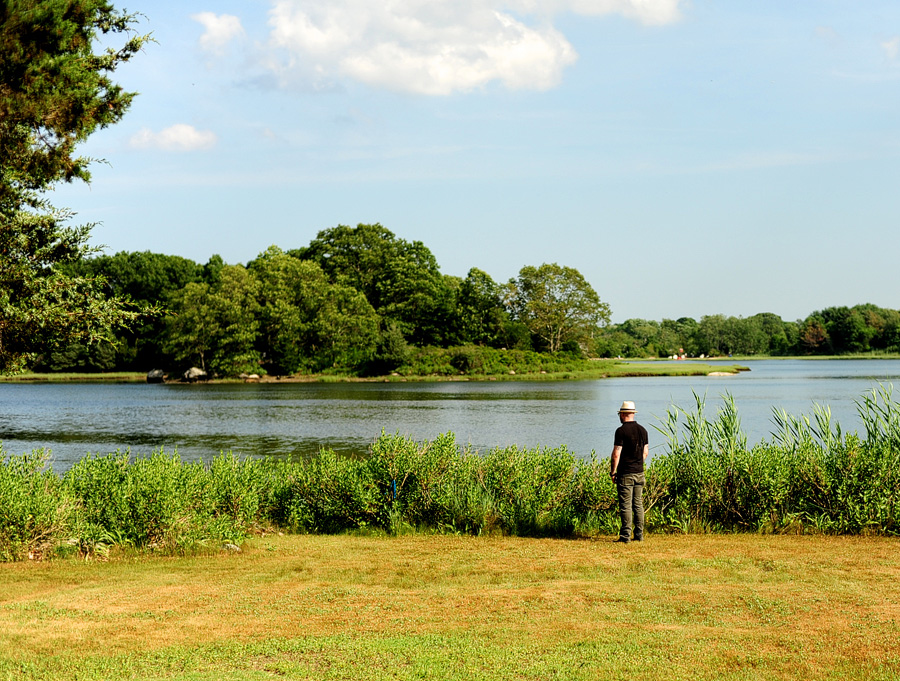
(360, 300)
(832, 331)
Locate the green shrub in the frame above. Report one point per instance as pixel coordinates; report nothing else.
(33, 509)
(533, 489)
(330, 493)
(159, 502)
(237, 488)
(101, 484)
(420, 483)
(485, 361)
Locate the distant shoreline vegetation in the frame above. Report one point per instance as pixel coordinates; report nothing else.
(440, 364)
(358, 302)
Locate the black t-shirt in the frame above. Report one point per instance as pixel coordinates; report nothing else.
(631, 437)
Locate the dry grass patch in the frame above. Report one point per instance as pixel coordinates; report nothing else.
(710, 606)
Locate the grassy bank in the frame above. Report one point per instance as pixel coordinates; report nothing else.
(732, 607)
(68, 377)
(485, 364)
(582, 370)
(596, 369)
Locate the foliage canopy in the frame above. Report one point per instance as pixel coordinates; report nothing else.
(557, 304)
(55, 91)
(400, 279)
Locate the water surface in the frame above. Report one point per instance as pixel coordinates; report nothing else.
(297, 419)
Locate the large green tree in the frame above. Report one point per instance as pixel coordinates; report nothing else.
(557, 304)
(481, 315)
(848, 329)
(55, 90)
(308, 323)
(400, 279)
(147, 279)
(216, 325)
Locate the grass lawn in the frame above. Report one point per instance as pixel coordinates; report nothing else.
(445, 607)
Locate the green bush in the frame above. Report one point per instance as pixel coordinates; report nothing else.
(238, 491)
(33, 510)
(155, 502)
(510, 490)
(330, 493)
(477, 360)
(101, 485)
(161, 503)
(419, 482)
(532, 489)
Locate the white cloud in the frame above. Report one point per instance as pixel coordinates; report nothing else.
(221, 29)
(646, 11)
(179, 137)
(891, 47)
(435, 47)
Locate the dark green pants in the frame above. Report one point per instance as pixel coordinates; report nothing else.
(631, 505)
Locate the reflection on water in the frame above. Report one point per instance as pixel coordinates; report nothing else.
(297, 419)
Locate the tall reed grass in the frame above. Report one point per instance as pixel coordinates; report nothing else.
(811, 477)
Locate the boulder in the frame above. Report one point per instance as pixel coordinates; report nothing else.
(194, 374)
(156, 376)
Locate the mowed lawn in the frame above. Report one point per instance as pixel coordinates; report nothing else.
(446, 607)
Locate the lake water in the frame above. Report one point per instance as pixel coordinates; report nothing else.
(297, 419)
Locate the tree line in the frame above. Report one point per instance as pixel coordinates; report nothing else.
(839, 330)
(356, 299)
(359, 300)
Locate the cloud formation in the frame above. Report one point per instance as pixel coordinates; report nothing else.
(178, 137)
(891, 47)
(221, 29)
(435, 47)
(655, 12)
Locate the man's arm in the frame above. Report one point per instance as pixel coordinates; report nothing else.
(614, 461)
(646, 451)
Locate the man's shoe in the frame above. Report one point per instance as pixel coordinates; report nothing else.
(621, 540)
(638, 539)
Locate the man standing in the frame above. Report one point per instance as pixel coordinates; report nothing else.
(626, 468)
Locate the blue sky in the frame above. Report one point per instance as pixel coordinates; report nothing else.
(688, 158)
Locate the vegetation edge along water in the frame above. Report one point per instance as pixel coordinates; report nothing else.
(588, 369)
(811, 477)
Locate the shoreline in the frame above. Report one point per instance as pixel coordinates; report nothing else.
(618, 369)
(624, 368)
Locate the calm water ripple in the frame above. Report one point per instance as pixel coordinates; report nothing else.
(294, 420)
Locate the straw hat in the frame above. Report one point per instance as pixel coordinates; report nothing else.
(627, 408)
